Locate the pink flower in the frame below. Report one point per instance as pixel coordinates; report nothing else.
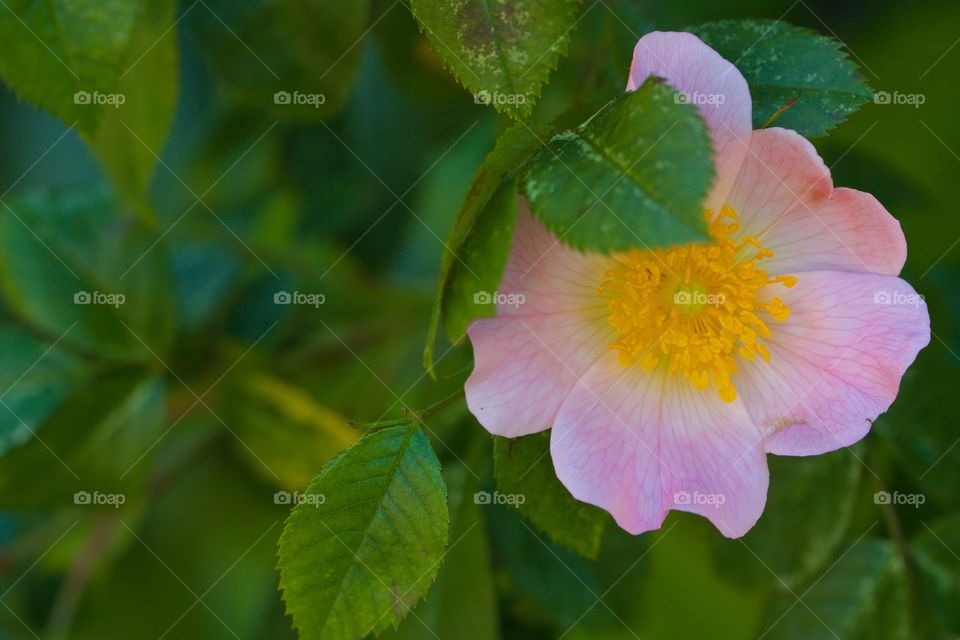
(668, 375)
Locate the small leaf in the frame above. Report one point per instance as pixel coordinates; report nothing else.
(35, 378)
(119, 412)
(75, 269)
(131, 135)
(501, 50)
(366, 543)
(791, 68)
(523, 467)
(463, 603)
(477, 247)
(67, 56)
(861, 596)
(292, 59)
(633, 175)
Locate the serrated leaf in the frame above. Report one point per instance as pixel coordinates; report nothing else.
(463, 602)
(523, 467)
(355, 560)
(291, 59)
(131, 135)
(501, 50)
(935, 551)
(56, 49)
(479, 243)
(75, 269)
(633, 175)
(791, 68)
(809, 506)
(861, 597)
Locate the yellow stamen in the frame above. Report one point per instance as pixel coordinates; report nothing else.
(693, 309)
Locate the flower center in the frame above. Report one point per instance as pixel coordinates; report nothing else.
(694, 308)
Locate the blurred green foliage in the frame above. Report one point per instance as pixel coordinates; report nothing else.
(200, 199)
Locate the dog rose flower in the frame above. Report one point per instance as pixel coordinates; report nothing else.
(667, 375)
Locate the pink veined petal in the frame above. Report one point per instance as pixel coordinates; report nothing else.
(551, 277)
(639, 444)
(708, 81)
(528, 357)
(784, 196)
(836, 362)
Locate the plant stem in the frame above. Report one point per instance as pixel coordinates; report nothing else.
(411, 415)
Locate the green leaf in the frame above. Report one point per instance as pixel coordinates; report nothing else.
(634, 174)
(97, 439)
(936, 552)
(479, 243)
(463, 602)
(860, 597)
(282, 430)
(523, 467)
(367, 542)
(790, 68)
(131, 136)
(501, 50)
(291, 59)
(55, 50)
(35, 378)
(74, 269)
(809, 507)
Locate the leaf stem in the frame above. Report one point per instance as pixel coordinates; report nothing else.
(411, 415)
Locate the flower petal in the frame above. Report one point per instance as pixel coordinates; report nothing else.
(785, 197)
(639, 444)
(524, 367)
(713, 84)
(836, 363)
(528, 357)
(550, 276)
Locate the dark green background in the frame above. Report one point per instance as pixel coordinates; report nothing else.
(318, 204)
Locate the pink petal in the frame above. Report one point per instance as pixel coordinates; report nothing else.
(836, 363)
(639, 444)
(785, 197)
(710, 82)
(528, 357)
